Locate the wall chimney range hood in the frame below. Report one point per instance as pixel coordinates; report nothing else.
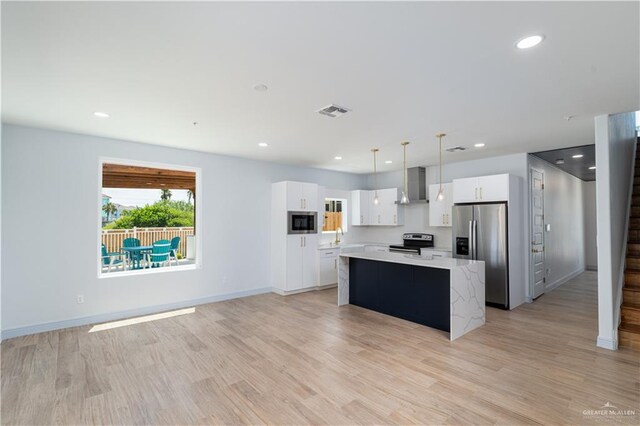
(417, 183)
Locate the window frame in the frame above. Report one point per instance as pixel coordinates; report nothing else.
(198, 217)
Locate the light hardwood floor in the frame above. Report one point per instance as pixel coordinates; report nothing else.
(302, 360)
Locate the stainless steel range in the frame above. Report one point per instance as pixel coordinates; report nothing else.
(413, 243)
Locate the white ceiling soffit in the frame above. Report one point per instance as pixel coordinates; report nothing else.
(404, 70)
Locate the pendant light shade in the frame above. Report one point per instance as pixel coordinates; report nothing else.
(376, 200)
(404, 199)
(440, 195)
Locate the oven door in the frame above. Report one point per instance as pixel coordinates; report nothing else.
(397, 249)
(302, 222)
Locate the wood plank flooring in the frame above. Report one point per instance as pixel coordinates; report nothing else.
(302, 360)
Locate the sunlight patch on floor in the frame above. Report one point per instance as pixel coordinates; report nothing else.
(138, 320)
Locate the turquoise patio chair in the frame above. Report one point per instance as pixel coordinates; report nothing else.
(111, 259)
(175, 244)
(159, 255)
(136, 257)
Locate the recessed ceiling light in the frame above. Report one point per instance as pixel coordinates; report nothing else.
(529, 42)
(577, 156)
(260, 88)
(388, 162)
(263, 144)
(592, 168)
(338, 157)
(560, 161)
(101, 114)
(479, 145)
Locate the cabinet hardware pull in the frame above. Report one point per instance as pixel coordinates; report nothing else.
(335, 263)
(378, 219)
(300, 241)
(394, 219)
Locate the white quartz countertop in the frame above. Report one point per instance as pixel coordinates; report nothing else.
(328, 246)
(411, 259)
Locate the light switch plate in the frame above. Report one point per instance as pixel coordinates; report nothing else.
(548, 227)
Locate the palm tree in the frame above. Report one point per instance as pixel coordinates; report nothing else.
(165, 194)
(190, 195)
(109, 208)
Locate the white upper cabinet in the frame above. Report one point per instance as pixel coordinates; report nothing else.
(359, 208)
(302, 196)
(386, 213)
(440, 210)
(481, 189)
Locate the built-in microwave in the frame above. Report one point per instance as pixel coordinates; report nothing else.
(302, 222)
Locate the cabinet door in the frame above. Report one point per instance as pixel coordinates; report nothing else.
(465, 190)
(436, 208)
(310, 197)
(294, 262)
(440, 210)
(388, 206)
(328, 270)
(375, 217)
(295, 196)
(359, 208)
(494, 188)
(309, 260)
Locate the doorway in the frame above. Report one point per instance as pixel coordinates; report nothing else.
(537, 255)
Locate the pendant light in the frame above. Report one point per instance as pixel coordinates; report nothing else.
(440, 196)
(376, 200)
(404, 199)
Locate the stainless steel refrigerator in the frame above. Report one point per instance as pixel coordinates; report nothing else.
(480, 233)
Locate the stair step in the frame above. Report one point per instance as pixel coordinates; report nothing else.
(634, 223)
(633, 263)
(634, 236)
(633, 249)
(629, 336)
(631, 278)
(630, 295)
(630, 313)
(635, 210)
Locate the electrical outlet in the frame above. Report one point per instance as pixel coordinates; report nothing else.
(80, 298)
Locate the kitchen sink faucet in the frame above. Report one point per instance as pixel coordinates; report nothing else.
(337, 241)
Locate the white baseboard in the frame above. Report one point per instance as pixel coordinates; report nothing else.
(611, 344)
(94, 319)
(281, 292)
(562, 280)
(592, 267)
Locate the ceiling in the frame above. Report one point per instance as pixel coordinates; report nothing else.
(405, 70)
(578, 167)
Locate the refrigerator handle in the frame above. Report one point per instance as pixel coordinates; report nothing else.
(471, 243)
(475, 240)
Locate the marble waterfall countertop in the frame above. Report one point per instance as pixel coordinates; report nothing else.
(414, 259)
(466, 282)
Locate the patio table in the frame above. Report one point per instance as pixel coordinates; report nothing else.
(135, 254)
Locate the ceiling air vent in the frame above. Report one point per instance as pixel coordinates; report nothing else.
(333, 111)
(455, 148)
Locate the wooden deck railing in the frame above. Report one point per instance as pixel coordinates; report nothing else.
(112, 238)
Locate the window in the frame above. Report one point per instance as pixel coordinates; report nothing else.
(335, 214)
(148, 218)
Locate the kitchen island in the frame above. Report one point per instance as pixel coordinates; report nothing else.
(443, 293)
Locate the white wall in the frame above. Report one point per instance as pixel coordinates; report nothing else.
(615, 156)
(590, 225)
(49, 198)
(564, 211)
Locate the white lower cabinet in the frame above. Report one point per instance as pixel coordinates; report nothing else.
(301, 263)
(328, 267)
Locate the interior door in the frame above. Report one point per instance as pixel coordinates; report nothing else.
(537, 260)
